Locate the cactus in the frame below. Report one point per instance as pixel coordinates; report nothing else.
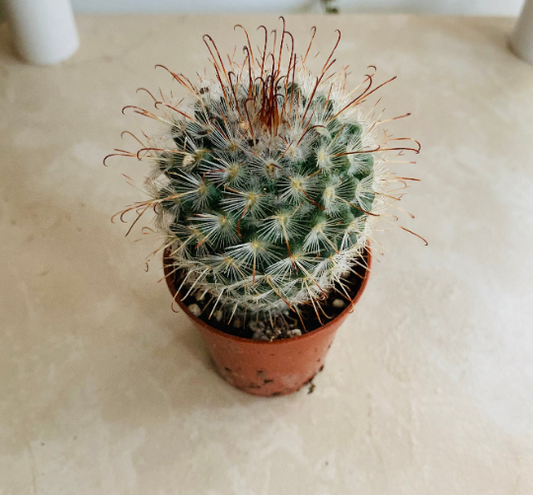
(268, 181)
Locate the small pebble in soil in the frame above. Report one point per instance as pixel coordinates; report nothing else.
(195, 309)
(338, 303)
(295, 332)
(256, 326)
(237, 323)
(218, 315)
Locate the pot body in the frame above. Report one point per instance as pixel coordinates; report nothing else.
(262, 368)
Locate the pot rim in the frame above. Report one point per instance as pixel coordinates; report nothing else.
(349, 309)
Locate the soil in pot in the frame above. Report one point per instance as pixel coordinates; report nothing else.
(290, 324)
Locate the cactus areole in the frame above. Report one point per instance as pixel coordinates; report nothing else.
(268, 179)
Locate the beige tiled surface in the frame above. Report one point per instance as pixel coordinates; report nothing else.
(428, 388)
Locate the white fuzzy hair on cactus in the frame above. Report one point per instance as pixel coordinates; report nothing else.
(268, 180)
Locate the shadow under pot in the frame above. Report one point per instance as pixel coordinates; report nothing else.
(279, 367)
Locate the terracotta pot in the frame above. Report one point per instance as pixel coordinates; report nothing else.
(264, 368)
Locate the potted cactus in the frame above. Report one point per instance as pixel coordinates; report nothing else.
(266, 182)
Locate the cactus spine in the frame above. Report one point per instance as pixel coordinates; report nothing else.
(268, 180)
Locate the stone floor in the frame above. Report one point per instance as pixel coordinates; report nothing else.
(428, 388)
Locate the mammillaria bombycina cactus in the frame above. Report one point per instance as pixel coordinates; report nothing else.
(268, 179)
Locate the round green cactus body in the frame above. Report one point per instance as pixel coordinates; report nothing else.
(262, 227)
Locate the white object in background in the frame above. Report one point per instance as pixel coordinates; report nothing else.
(522, 37)
(44, 31)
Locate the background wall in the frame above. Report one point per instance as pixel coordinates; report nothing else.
(451, 7)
